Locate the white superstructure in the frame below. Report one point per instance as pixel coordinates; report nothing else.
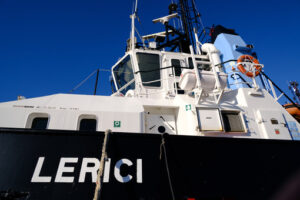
(162, 92)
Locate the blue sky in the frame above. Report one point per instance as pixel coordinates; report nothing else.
(48, 47)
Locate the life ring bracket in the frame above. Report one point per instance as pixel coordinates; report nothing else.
(249, 66)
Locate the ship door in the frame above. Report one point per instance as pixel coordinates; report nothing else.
(160, 120)
(272, 124)
(177, 64)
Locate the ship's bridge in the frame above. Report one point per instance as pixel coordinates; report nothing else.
(153, 73)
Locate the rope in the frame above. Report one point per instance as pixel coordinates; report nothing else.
(101, 167)
(163, 149)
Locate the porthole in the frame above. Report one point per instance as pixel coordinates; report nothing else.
(37, 121)
(87, 122)
(88, 125)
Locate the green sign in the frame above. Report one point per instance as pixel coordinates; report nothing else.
(188, 107)
(117, 124)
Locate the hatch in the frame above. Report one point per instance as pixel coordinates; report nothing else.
(209, 119)
(272, 124)
(160, 120)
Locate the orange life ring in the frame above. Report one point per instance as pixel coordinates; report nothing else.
(248, 58)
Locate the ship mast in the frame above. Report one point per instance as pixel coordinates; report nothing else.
(179, 39)
(191, 20)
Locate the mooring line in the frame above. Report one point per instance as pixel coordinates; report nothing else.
(101, 167)
(163, 149)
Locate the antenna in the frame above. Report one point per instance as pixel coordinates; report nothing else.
(136, 3)
(132, 34)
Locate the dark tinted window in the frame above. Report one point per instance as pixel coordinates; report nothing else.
(39, 123)
(150, 68)
(232, 121)
(177, 67)
(191, 65)
(123, 74)
(88, 125)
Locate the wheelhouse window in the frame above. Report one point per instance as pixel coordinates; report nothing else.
(190, 61)
(88, 125)
(149, 67)
(232, 121)
(39, 123)
(177, 66)
(123, 74)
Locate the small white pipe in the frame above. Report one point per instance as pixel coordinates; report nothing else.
(197, 42)
(213, 54)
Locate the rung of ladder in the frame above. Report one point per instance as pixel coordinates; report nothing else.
(203, 62)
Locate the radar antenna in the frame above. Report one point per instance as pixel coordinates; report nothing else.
(173, 38)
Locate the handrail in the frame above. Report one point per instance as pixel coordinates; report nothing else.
(146, 71)
(168, 67)
(153, 70)
(240, 77)
(132, 80)
(222, 63)
(233, 72)
(263, 73)
(158, 80)
(123, 87)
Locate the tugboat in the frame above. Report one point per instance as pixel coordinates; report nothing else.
(186, 120)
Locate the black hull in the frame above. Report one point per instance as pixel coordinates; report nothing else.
(199, 167)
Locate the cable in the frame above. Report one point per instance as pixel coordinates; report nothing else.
(89, 76)
(82, 82)
(153, 70)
